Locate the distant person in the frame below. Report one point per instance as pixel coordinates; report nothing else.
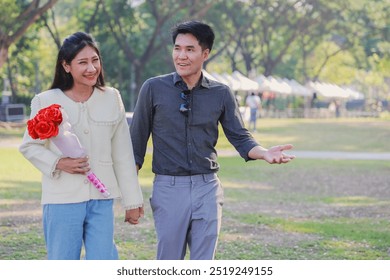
(75, 214)
(182, 111)
(334, 108)
(338, 105)
(253, 102)
(313, 100)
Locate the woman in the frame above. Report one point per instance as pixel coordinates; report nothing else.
(74, 211)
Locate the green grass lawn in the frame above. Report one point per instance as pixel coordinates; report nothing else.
(308, 209)
(317, 209)
(349, 135)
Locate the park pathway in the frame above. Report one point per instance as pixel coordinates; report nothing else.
(342, 155)
(7, 143)
(325, 155)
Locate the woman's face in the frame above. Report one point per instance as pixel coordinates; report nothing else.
(85, 68)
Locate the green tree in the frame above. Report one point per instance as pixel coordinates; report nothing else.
(16, 17)
(343, 41)
(141, 33)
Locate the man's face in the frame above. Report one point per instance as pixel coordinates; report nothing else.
(188, 57)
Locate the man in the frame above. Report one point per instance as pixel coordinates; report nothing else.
(253, 101)
(182, 111)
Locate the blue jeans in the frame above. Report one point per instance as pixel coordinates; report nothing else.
(68, 226)
(187, 211)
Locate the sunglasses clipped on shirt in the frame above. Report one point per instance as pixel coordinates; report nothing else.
(185, 107)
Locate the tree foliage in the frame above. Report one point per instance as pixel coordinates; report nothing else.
(339, 41)
(16, 17)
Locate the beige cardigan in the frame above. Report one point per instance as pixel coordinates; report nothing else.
(101, 126)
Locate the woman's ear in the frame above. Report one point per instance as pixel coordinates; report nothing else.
(66, 66)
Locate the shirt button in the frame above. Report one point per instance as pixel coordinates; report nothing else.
(86, 131)
(86, 181)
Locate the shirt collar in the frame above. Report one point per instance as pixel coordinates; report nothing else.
(177, 80)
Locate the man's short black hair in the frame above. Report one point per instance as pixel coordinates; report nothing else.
(202, 32)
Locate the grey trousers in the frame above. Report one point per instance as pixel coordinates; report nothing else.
(187, 211)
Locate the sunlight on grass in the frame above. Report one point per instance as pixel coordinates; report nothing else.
(23, 245)
(145, 182)
(340, 244)
(229, 237)
(352, 250)
(134, 250)
(19, 179)
(369, 135)
(14, 167)
(374, 232)
(246, 184)
(354, 201)
(14, 202)
(302, 210)
(21, 213)
(292, 226)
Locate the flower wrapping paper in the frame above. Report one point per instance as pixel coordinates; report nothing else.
(52, 123)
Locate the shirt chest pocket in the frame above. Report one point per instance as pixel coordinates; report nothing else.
(205, 113)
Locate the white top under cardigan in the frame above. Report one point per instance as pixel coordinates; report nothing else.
(101, 126)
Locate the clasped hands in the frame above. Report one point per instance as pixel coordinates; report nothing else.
(81, 166)
(132, 216)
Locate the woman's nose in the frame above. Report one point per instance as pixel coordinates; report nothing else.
(91, 67)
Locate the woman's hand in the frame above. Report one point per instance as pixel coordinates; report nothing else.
(74, 165)
(132, 216)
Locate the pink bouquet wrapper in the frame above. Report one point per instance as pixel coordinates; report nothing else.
(68, 143)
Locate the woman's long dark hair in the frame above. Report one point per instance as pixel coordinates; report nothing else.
(71, 46)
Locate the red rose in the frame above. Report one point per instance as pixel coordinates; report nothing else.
(51, 113)
(45, 124)
(46, 129)
(31, 128)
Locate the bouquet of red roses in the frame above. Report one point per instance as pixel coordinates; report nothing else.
(45, 124)
(52, 122)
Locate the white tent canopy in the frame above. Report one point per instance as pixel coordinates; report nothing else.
(264, 83)
(233, 82)
(238, 81)
(273, 84)
(220, 78)
(354, 94)
(334, 91)
(297, 88)
(208, 75)
(246, 84)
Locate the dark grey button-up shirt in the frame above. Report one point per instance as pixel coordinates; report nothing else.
(185, 144)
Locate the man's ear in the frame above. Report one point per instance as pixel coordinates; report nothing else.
(206, 53)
